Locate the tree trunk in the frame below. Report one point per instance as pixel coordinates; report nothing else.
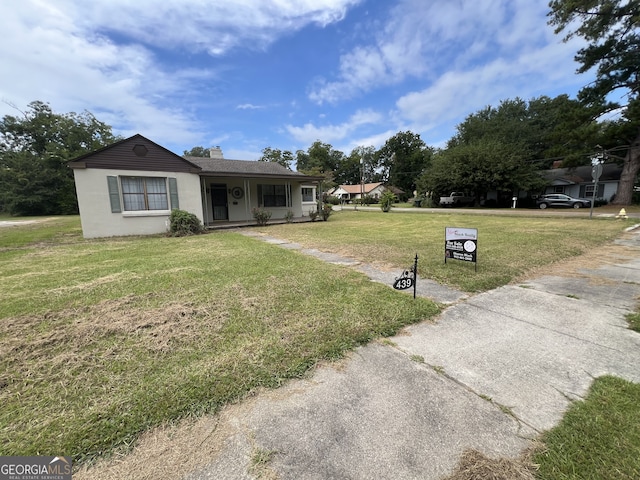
(630, 170)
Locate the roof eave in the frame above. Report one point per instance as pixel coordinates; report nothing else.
(301, 178)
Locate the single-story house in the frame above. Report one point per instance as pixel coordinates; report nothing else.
(575, 181)
(578, 181)
(131, 186)
(346, 193)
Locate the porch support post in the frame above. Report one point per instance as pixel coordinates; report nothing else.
(205, 203)
(247, 200)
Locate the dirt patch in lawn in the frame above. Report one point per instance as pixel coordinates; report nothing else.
(475, 465)
(579, 266)
(32, 343)
(171, 451)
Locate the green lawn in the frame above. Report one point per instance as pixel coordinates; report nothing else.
(508, 246)
(103, 339)
(598, 438)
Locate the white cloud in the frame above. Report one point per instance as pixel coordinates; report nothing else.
(446, 59)
(430, 62)
(215, 26)
(456, 94)
(309, 133)
(420, 40)
(64, 52)
(376, 140)
(248, 106)
(242, 154)
(53, 60)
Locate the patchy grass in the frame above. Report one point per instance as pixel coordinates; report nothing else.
(102, 340)
(417, 358)
(259, 465)
(634, 321)
(598, 438)
(508, 246)
(33, 230)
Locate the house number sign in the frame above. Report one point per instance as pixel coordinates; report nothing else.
(404, 282)
(408, 278)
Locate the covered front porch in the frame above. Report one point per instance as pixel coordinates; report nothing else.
(222, 225)
(229, 202)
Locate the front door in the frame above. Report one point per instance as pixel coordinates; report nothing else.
(219, 202)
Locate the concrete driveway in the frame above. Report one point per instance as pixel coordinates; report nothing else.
(493, 372)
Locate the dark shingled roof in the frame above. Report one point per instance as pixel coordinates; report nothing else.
(610, 173)
(244, 168)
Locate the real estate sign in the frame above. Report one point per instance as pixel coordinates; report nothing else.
(461, 244)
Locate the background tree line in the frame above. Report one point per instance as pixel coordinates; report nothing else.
(35, 147)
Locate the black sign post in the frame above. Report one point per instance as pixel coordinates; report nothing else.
(408, 278)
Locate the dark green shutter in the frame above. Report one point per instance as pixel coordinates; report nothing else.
(114, 194)
(173, 193)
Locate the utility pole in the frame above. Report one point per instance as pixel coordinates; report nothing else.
(596, 171)
(362, 179)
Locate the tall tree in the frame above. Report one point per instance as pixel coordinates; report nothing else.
(284, 158)
(319, 157)
(198, 151)
(502, 148)
(34, 150)
(403, 158)
(543, 129)
(479, 167)
(360, 166)
(612, 31)
(349, 171)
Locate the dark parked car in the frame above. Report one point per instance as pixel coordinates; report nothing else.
(561, 200)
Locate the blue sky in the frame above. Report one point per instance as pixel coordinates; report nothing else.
(247, 74)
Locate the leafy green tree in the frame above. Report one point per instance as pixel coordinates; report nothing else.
(543, 129)
(479, 167)
(284, 158)
(368, 165)
(320, 156)
(349, 171)
(611, 30)
(197, 152)
(34, 150)
(403, 158)
(502, 148)
(565, 129)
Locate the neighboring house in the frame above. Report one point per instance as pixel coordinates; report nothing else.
(575, 182)
(131, 186)
(347, 193)
(578, 181)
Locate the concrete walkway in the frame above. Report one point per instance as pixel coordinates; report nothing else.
(494, 371)
(424, 287)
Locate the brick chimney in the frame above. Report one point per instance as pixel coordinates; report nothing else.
(215, 152)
